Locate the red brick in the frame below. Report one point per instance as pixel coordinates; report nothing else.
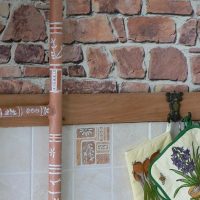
(88, 30)
(152, 29)
(10, 86)
(10, 72)
(194, 50)
(70, 86)
(118, 24)
(86, 86)
(30, 88)
(29, 53)
(18, 87)
(198, 28)
(76, 7)
(129, 7)
(98, 63)
(23, 27)
(188, 33)
(5, 54)
(72, 54)
(35, 71)
(171, 88)
(167, 64)
(175, 7)
(70, 30)
(129, 87)
(76, 71)
(129, 62)
(195, 63)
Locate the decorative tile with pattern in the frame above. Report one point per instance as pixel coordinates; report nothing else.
(93, 146)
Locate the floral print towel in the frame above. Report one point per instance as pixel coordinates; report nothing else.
(180, 165)
(138, 161)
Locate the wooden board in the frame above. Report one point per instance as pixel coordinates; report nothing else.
(23, 100)
(103, 108)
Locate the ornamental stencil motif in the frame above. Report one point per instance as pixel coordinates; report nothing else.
(93, 146)
(88, 152)
(55, 54)
(32, 110)
(45, 111)
(55, 182)
(10, 112)
(52, 152)
(86, 132)
(54, 80)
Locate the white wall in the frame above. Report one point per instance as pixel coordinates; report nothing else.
(24, 163)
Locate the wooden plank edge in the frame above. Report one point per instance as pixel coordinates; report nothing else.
(103, 108)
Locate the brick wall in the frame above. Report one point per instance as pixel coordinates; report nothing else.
(109, 46)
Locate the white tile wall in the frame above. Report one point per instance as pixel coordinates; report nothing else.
(158, 128)
(24, 163)
(121, 185)
(67, 147)
(68, 184)
(15, 186)
(40, 149)
(125, 136)
(15, 146)
(39, 186)
(94, 184)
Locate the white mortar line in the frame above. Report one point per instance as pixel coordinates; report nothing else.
(112, 164)
(73, 160)
(144, 8)
(149, 130)
(179, 20)
(94, 167)
(32, 163)
(121, 167)
(126, 28)
(14, 173)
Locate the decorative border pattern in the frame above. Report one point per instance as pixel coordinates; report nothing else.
(93, 146)
(24, 111)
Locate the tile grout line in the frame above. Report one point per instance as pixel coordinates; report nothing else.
(73, 164)
(94, 167)
(112, 170)
(31, 175)
(149, 131)
(14, 173)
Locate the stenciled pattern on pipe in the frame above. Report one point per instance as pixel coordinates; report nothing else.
(55, 101)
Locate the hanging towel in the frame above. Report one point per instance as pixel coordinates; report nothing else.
(179, 163)
(138, 160)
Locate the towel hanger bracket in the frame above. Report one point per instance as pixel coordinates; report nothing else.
(174, 99)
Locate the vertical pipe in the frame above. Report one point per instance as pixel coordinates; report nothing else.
(55, 101)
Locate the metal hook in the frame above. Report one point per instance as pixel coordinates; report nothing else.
(174, 100)
(179, 126)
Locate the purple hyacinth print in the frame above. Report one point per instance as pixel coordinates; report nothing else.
(188, 165)
(182, 160)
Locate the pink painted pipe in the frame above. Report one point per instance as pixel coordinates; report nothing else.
(55, 101)
(54, 110)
